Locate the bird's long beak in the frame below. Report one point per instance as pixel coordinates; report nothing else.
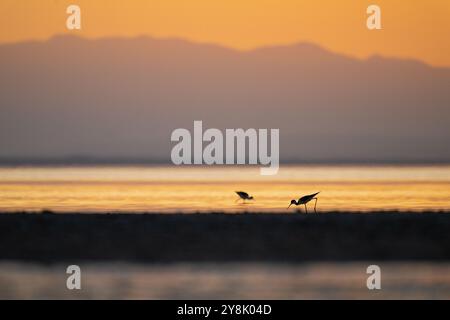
(289, 206)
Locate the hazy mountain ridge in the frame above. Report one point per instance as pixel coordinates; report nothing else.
(122, 98)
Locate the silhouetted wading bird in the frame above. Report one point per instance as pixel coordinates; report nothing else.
(304, 200)
(243, 195)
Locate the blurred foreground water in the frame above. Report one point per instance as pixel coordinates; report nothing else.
(226, 281)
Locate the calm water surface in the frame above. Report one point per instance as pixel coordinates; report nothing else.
(203, 189)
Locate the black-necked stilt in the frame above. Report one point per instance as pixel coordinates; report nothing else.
(243, 195)
(304, 200)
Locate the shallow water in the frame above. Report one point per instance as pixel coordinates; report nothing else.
(226, 281)
(203, 189)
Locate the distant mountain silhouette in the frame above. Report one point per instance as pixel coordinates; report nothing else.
(120, 98)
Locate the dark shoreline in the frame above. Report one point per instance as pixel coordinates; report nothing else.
(276, 238)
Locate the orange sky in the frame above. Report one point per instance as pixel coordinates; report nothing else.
(417, 29)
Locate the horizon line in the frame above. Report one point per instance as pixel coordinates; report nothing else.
(96, 161)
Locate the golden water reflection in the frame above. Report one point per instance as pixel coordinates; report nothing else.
(206, 189)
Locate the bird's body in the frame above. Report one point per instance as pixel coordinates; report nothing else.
(304, 200)
(243, 195)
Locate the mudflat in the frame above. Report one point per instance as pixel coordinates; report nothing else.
(218, 237)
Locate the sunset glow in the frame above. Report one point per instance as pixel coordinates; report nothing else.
(414, 29)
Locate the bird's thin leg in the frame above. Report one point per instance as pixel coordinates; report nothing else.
(237, 200)
(306, 208)
(315, 204)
